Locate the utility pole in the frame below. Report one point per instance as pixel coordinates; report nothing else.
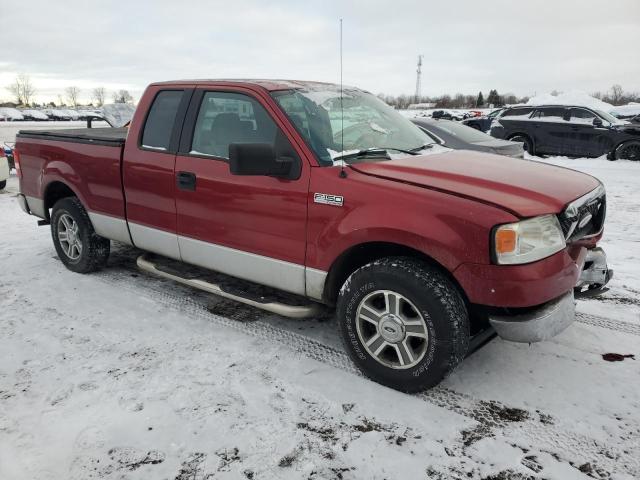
(418, 79)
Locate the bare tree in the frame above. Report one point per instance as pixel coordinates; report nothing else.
(617, 94)
(72, 94)
(22, 89)
(98, 95)
(122, 96)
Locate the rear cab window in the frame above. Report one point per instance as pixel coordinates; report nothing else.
(160, 120)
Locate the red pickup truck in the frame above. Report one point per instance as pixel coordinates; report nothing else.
(332, 196)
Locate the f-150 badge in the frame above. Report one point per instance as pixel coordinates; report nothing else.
(328, 199)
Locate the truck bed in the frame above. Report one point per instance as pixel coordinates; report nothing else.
(96, 136)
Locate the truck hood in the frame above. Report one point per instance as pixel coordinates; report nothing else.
(523, 187)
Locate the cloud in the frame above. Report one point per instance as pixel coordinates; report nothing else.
(522, 47)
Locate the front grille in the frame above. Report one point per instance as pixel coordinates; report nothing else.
(585, 216)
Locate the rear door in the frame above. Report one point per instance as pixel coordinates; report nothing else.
(148, 172)
(552, 130)
(251, 227)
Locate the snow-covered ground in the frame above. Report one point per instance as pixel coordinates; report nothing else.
(119, 375)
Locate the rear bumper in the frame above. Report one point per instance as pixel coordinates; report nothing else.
(546, 321)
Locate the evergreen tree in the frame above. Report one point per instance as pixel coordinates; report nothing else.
(480, 101)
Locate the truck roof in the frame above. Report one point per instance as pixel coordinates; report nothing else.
(267, 84)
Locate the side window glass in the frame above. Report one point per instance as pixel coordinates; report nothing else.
(225, 118)
(160, 120)
(580, 115)
(517, 113)
(550, 114)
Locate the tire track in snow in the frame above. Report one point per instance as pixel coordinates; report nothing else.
(492, 416)
(608, 323)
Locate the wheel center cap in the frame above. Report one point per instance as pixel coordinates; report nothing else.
(71, 237)
(391, 329)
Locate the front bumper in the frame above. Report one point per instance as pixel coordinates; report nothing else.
(546, 321)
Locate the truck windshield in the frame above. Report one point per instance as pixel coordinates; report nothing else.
(370, 125)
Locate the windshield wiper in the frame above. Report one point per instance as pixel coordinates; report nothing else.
(372, 151)
(422, 147)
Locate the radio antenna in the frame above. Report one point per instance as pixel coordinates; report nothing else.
(343, 173)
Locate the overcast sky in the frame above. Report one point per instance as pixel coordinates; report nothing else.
(524, 47)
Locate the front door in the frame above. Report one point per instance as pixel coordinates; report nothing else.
(251, 227)
(587, 140)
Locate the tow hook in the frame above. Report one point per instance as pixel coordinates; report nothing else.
(594, 276)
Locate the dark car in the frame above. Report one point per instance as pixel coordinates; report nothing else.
(483, 122)
(569, 130)
(460, 137)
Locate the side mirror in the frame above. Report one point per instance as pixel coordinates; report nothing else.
(597, 122)
(258, 159)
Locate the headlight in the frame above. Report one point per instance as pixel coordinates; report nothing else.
(528, 240)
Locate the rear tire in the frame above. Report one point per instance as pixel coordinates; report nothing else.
(528, 144)
(403, 323)
(3, 184)
(78, 246)
(628, 151)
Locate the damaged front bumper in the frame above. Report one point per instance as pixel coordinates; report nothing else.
(546, 321)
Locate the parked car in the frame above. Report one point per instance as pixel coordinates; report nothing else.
(35, 115)
(569, 130)
(73, 115)
(86, 114)
(11, 114)
(460, 137)
(447, 115)
(4, 172)
(57, 114)
(483, 122)
(253, 179)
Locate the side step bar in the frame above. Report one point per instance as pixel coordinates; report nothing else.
(292, 311)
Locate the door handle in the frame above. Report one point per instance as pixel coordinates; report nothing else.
(186, 181)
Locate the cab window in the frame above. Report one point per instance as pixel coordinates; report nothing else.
(225, 118)
(160, 120)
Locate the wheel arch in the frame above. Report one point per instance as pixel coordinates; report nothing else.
(54, 191)
(361, 254)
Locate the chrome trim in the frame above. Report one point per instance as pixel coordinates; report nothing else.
(110, 227)
(155, 240)
(315, 280)
(292, 311)
(283, 275)
(539, 324)
(36, 206)
(572, 208)
(598, 272)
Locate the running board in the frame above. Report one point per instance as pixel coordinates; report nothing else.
(291, 311)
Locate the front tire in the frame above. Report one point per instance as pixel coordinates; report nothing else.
(628, 151)
(3, 184)
(403, 323)
(78, 246)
